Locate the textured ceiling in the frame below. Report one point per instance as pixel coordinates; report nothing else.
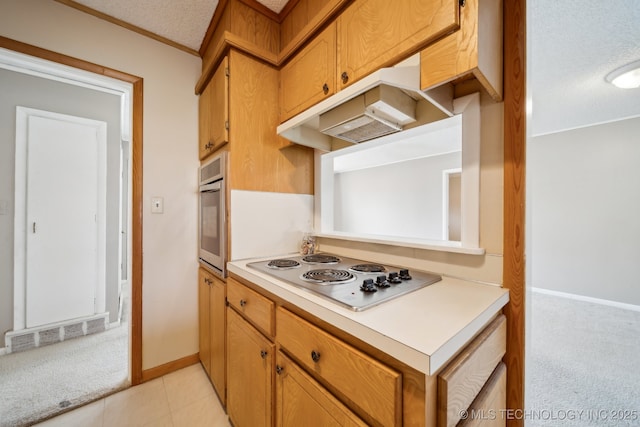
(182, 21)
(573, 45)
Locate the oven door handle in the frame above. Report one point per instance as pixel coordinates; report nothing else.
(215, 186)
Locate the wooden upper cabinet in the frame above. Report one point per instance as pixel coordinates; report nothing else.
(476, 50)
(214, 111)
(378, 33)
(310, 76)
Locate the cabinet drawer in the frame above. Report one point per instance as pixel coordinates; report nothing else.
(462, 379)
(375, 389)
(257, 309)
(490, 403)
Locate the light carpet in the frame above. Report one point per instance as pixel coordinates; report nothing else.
(582, 364)
(39, 383)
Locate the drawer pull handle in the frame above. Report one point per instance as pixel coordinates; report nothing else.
(325, 88)
(263, 354)
(279, 369)
(315, 356)
(242, 303)
(345, 77)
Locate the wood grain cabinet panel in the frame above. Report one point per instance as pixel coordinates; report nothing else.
(474, 50)
(250, 367)
(379, 33)
(374, 389)
(257, 309)
(461, 381)
(310, 76)
(214, 112)
(488, 408)
(260, 160)
(204, 330)
(212, 324)
(302, 401)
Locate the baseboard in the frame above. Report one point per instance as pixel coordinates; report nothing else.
(609, 303)
(167, 368)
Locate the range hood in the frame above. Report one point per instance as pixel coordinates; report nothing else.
(377, 112)
(377, 105)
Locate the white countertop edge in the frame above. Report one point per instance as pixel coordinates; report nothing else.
(342, 318)
(448, 350)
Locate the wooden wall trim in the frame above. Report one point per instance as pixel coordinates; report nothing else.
(136, 235)
(167, 368)
(136, 203)
(514, 199)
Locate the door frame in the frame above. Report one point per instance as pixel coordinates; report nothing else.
(136, 101)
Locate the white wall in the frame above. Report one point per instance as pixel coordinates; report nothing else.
(170, 160)
(400, 199)
(584, 197)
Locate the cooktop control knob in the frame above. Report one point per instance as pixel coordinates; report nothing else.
(404, 274)
(368, 286)
(393, 278)
(381, 281)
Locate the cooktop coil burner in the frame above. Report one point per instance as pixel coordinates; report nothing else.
(368, 268)
(328, 276)
(353, 283)
(279, 264)
(321, 259)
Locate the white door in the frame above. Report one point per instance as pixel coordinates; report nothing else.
(63, 178)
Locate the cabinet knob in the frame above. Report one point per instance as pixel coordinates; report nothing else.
(242, 303)
(263, 354)
(279, 369)
(345, 77)
(315, 356)
(325, 88)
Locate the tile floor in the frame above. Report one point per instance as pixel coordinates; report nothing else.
(182, 398)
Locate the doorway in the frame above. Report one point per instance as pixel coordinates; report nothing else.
(130, 88)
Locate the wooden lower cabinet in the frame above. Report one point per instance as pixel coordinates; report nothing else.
(309, 373)
(374, 389)
(301, 401)
(250, 371)
(211, 319)
(467, 377)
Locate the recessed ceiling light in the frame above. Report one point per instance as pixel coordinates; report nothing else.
(627, 77)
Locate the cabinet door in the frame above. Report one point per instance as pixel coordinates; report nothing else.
(214, 112)
(310, 76)
(374, 389)
(217, 324)
(250, 368)
(378, 33)
(475, 49)
(204, 332)
(204, 122)
(301, 401)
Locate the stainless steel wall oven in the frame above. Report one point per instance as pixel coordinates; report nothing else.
(212, 223)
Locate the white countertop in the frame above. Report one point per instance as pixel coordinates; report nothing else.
(422, 329)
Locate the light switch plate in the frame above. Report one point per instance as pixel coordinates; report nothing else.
(157, 205)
